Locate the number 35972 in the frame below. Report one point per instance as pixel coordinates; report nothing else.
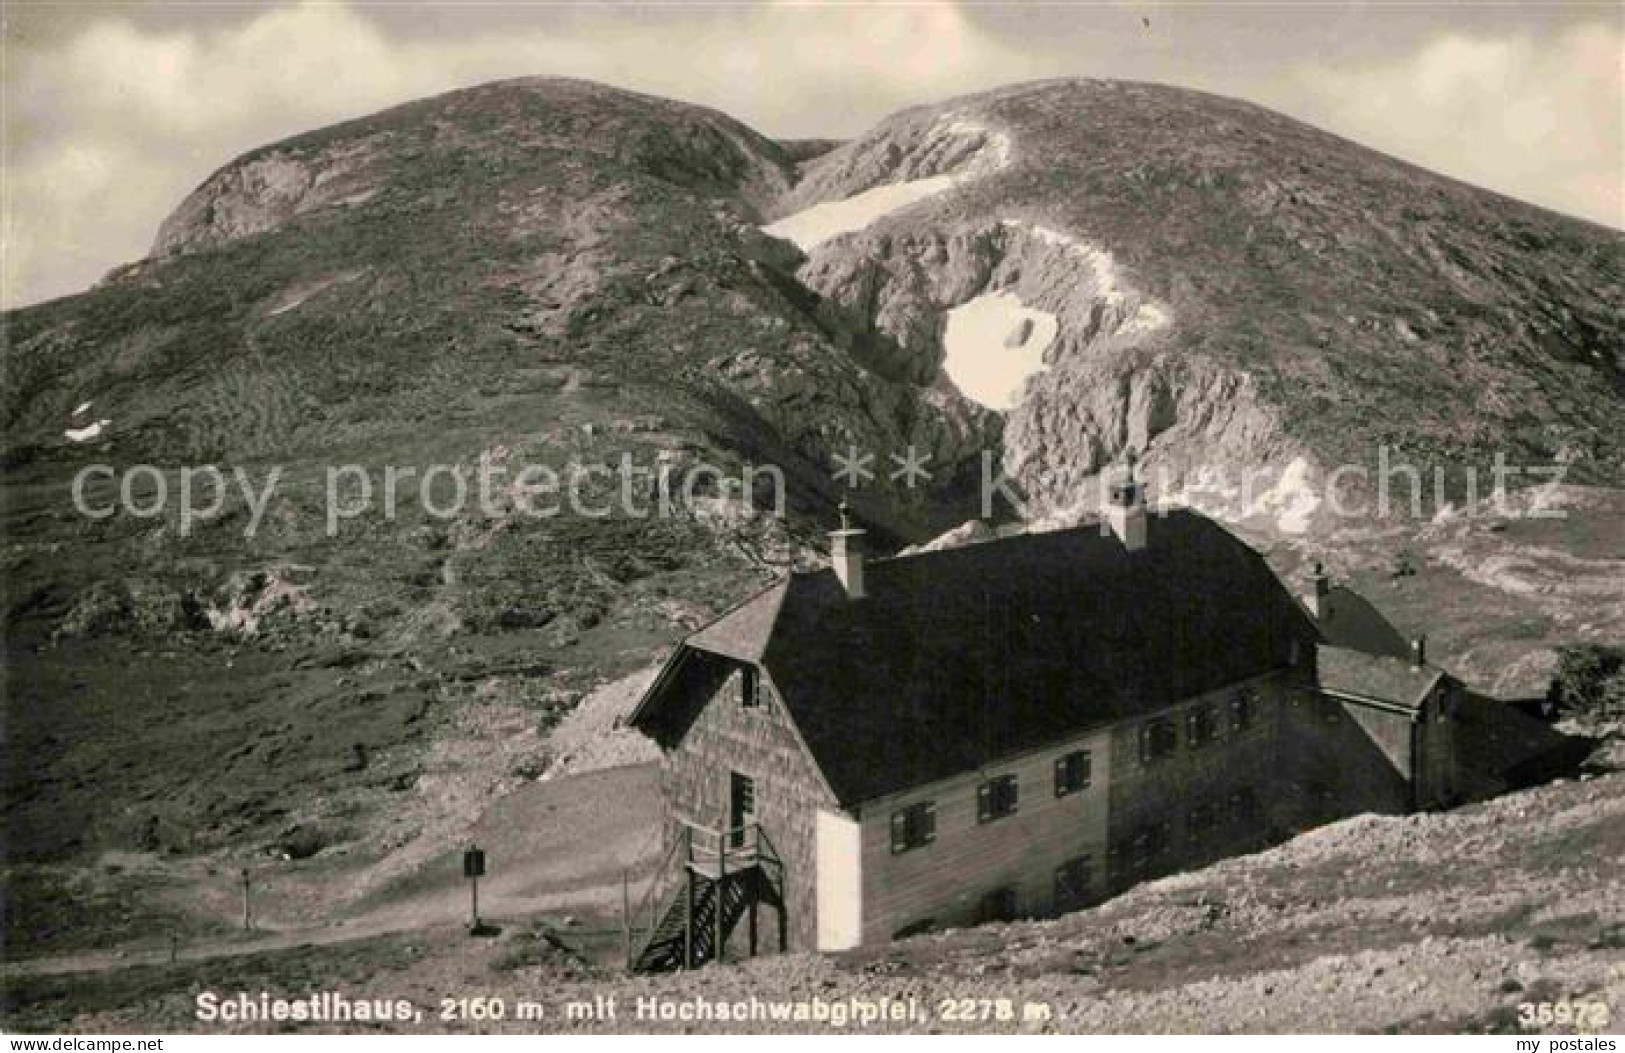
(1565, 1013)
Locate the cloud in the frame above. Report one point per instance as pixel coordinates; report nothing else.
(109, 123)
(1539, 117)
(108, 128)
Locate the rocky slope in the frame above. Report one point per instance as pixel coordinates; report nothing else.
(547, 272)
(1234, 291)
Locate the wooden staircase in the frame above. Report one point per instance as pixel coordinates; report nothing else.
(709, 881)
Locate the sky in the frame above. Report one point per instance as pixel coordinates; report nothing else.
(113, 112)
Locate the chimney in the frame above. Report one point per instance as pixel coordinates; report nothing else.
(1419, 652)
(846, 555)
(1125, 510)
(1319, 601)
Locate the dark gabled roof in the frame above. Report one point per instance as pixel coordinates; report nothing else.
(958, 658)
(1381, 678)
(743, 632)
(1350, 620)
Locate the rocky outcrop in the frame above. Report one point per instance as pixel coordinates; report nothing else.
(263, 193)
(915, 145)
(1112, 383)
(418, 149)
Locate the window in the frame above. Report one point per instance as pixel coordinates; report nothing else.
(1201, 820)
(741, 806)
(1200, 726)
(1242, 709)
(1072, 880)
(999, 905)
(913, 827)
(1322, 798)
(1158, 739)
(750, 688)
(1072, 773)
(1148, 845)
(996, 799)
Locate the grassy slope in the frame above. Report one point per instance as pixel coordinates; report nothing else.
(547, 272)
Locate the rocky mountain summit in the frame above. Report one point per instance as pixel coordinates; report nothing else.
(1233, 289)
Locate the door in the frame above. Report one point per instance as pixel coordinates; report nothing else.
(741, 807)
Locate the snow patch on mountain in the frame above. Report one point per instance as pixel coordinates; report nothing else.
(1292, 499)
(831, 219)
(88, 432)
(992, 344)
(991, 151)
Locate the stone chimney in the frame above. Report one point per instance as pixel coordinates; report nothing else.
(1319, 599)
(1125, 510)
(1419, 652)
(846, 555)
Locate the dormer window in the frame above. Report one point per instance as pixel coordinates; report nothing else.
(750, 688)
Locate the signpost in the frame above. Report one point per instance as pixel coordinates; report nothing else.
(473, 870)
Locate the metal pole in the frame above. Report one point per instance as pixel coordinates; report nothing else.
(688, 921)
(248, 911)
(626, 914)
(716, 897)
(474, 901)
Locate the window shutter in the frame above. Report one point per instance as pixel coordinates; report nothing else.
(1061, 781)
(984, 802)
(1087, 763)
(928, 816)
(1014, 794)
(899, 831)
(1145, 743)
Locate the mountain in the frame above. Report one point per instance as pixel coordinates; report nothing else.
(1236, 289)
(550, 272)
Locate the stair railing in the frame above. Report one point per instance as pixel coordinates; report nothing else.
(734, 848)
(645, 919)
(715, 853)
(770, 862)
